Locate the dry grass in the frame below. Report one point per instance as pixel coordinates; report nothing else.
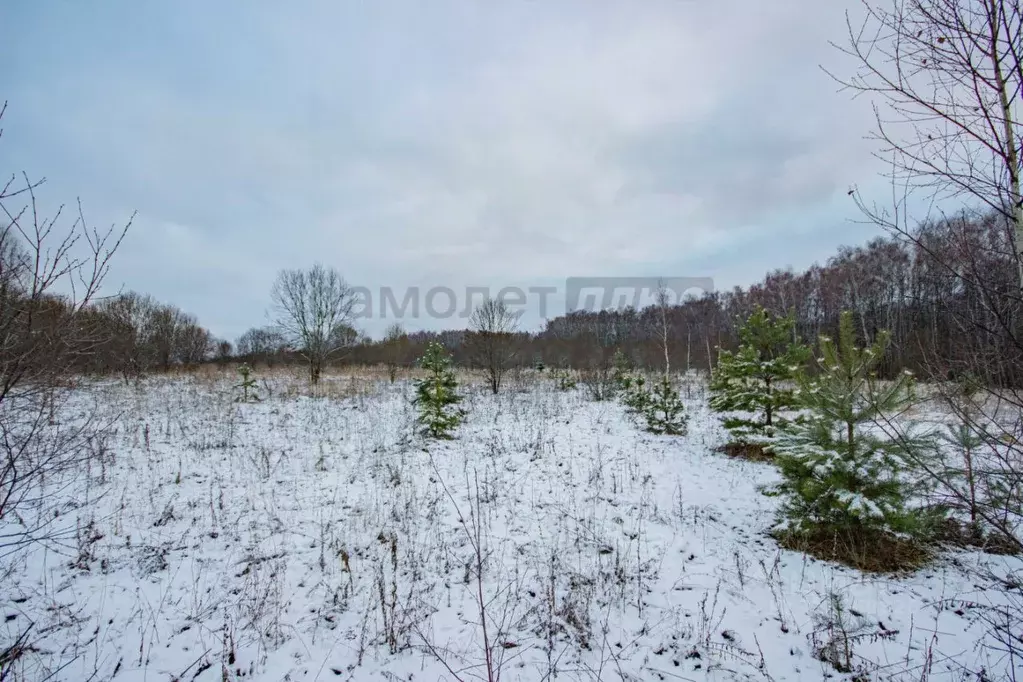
(754, 452)
(957, 533)
(868, 551)
(348, 381)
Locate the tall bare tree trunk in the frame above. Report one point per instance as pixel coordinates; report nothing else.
(995, 20)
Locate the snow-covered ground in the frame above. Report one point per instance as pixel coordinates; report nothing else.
(317, 538)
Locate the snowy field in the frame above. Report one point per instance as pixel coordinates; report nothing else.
(318, 538)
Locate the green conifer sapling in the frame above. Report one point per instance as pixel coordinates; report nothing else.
(248, 383)
(437, 395)
(755, 384)
(839, 473)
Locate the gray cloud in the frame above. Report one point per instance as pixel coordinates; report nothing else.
(444, 143)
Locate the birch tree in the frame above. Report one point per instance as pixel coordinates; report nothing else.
(945, 77)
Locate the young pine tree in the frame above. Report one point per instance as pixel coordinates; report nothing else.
(663, 409)
(437, 395)
(634, 392)
(248, 384)
(839, 474)
(658, 403)
(623, 369)
(757, 380)
(629, 384)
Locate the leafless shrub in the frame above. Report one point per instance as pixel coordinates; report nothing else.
(838, 629)
(494, 647)
(599, 381)
(49, 276)
(491, 344)
(396, 344)
(43, 334)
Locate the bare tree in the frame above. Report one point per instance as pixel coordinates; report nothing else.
(264, 344)
(225, 350)
(313, 311)
(192, 344)
(947, 79)
(491, 343)
(167, 323)
(946, 76)
(143, 334)
(129, 342)
(662, 313)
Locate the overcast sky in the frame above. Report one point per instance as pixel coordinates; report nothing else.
(426, 143)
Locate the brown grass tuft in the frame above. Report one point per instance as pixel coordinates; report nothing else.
(960, 534)
(866, 550)
(754, 452)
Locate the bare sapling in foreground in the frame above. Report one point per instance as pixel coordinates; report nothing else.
(51, 271)
(945, 78)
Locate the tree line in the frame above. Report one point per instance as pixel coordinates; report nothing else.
(129, 335)
(948, 297)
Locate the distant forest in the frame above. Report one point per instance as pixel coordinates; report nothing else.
(947, 293)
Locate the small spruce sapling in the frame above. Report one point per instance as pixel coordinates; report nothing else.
(248, 384)
(839, 475)
(635, 395)
(437, 395)
(660, 404)
(622, 368)
(755, 384)
(663, 409)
